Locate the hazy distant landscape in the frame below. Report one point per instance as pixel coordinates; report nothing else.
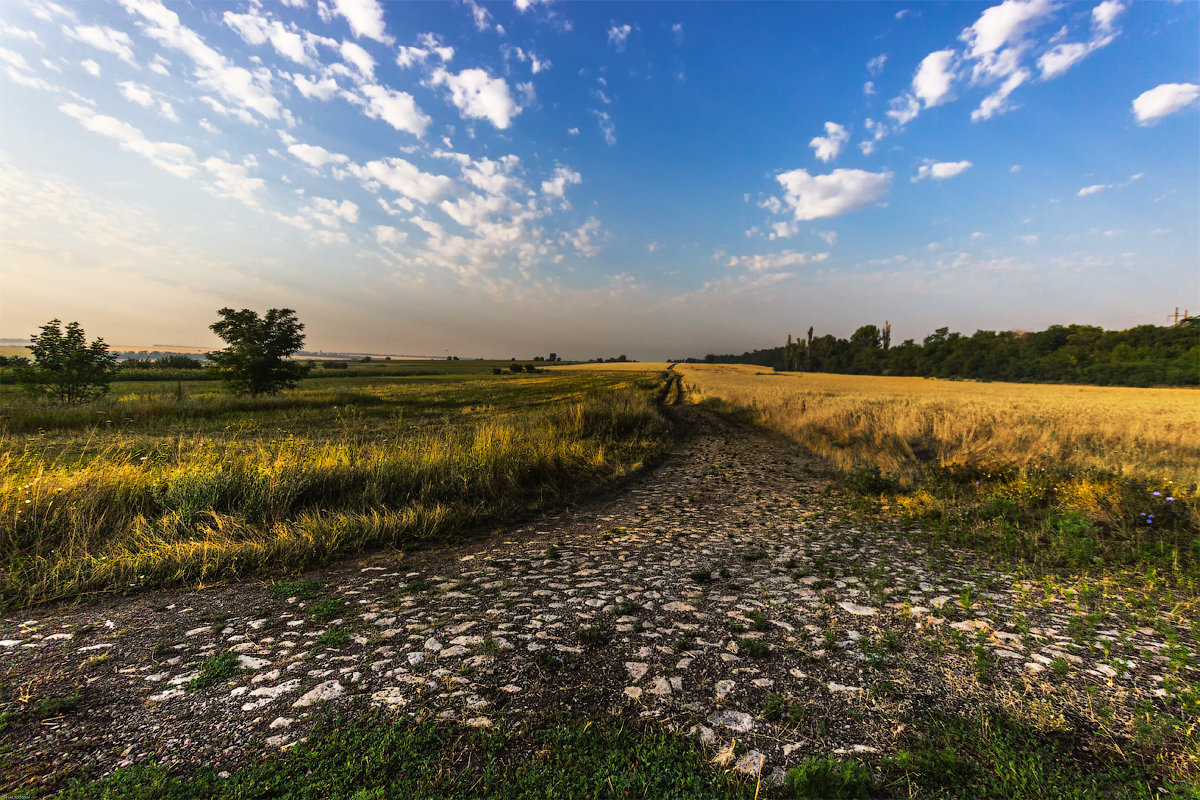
(558, 399)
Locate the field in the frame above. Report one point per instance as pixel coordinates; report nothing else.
(175, 482)
(403, 577)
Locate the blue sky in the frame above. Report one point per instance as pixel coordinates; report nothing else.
(656, 179)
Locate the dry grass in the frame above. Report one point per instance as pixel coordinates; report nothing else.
(902, 424)
(110, 509)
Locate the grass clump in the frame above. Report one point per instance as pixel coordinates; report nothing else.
(334, 637)
(215, 670)
(301, 590)
(327, 609)
(755, 648)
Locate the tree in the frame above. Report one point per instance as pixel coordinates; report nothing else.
(65, 366)
(255, 362)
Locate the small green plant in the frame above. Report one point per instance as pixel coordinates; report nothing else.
(592, 635)
(334, 637)
(773, 707)
(553, 552)
(1060, 667)
(755, 648)
(754, 555)
(685, 642)
(215, 670)
(829, 777)
(759, 620)
(701, 576)
(626, 607)
(327, 609)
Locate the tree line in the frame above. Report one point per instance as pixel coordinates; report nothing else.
(1146, 355)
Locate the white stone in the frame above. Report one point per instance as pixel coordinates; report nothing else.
(857, 610)
(837, 687)
(415, 659)
(751, 763)
(251, 663)
(636, 669)
(734, 720)
(661, 687)
(633, 692)
(432, 645)
(323, 692)
(198, 631)
(169, 694)
(392, 696)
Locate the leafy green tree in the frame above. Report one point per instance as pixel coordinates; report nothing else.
(256, 360)
(65, 366)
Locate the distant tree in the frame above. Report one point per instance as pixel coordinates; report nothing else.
(176, 361)
(255, 362)
(65, 366)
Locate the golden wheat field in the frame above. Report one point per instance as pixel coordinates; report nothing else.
(898, 423)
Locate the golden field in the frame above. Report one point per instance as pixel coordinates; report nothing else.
(901, 423)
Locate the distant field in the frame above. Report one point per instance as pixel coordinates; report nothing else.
(903, 423)
(166, 483)
(9, 351)
(1065, 477)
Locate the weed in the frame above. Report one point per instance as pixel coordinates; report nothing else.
(215, 670)
(755, 648)
(334, 637)
(327, 609)
(773, 707)
(302, 590)
(759, 620)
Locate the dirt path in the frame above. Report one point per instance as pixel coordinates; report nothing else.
(723, 594)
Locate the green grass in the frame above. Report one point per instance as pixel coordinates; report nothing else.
(370, 759)
(215, 670)
(153, 491)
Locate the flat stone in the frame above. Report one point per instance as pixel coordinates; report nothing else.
(392, 696)
(251, 663)
(751, 763)
(281, 722)
(661, 687)
(636, 669)
(323, 692)
(734, 720)
(633, 692)
(857, 610)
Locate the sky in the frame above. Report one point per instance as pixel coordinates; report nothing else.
(590, 179)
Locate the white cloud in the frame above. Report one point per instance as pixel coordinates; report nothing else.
(102, 38)
(136, 93)
(385, 235)
(1061, 58)
(783, 230)
(237, 85)
(1005, 24)
(397, 109)
(869, 88)
(234, 181)
(607, 128)
(1093, 189)
(91, 67)
(315, 155)
(177, 159)
(839, 192)
(875, 65)
(331, 213)
(358, 58)
(323, 89)
(557, 185)
(365, 18)
(774, 262)
(256, 30)
(617, 35)
(1104, 15)
(935, 77)
(1164, 100)
(997, 102)
(941, 170)
(404, 178)
(828, 146)
(478, 95)
(482, 17)
(583, 239)
(433, 44)
(904, 109)
(407, 56)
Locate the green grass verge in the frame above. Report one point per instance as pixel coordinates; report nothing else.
(373, 760)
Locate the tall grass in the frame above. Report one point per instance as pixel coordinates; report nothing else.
(1069, 476)
(110, 511)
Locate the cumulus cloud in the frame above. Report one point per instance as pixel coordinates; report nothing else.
(875, 65)
(315, 155)
(557, 185)
(256, 29)
(934, 78)
(365, 18)
(1093, 189)
(839, 192)
(997, 102)
(1104, 15)
(358, 58)
(1061, 58)
(136, 93)
(251, 90)
(904, 109)
(387, 235)
(941, 170)
(332, 213)
(478, 95)
(91, 67)
(774, 262)
(1005, 24)
(234, 181)
(404, 178)
(324, 89)
(828, 146)
(102, 38)
(1164, 100)
(397, 109)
